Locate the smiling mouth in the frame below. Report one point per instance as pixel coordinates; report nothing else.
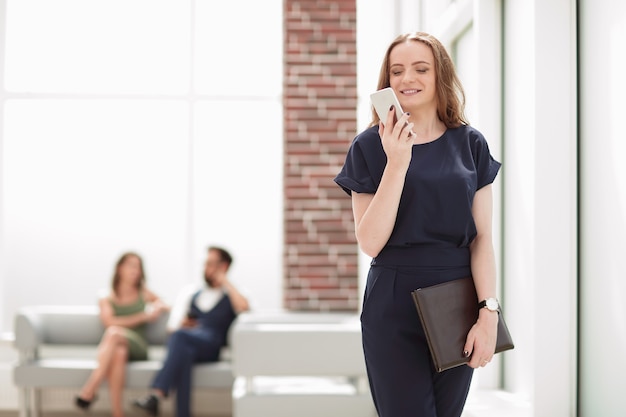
(410, 91)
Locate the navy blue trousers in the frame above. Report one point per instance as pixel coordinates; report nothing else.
(402, 377)
(184, 348)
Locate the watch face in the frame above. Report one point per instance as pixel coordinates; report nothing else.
(492, 304)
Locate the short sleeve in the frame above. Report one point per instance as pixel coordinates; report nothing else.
(486, 166)
(362, 169)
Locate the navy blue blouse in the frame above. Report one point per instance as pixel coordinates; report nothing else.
(443, 177)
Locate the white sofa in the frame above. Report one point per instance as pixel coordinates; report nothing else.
(44, 333)
(299, 364)
(281, 364)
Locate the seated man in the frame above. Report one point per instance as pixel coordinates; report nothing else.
(199, 322)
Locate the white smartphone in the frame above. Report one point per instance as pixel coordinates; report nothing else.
(382, 100)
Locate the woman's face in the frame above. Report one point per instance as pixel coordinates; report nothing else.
(130, 270)
(412, 75)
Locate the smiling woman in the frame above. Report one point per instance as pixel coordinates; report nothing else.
(422, 202)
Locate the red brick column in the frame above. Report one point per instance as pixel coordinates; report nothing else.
(320, 99)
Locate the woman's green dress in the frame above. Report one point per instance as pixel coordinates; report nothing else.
(136, 336)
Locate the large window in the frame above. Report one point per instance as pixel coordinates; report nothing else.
(152, 126)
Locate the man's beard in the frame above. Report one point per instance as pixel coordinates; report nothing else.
(210, 282)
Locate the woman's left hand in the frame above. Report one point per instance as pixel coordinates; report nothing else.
(481, 339)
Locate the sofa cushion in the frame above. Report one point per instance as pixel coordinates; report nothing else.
(71, 325)
(48, 373)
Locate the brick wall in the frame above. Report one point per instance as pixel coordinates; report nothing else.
(320, 99)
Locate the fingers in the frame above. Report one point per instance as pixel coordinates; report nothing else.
(479, 362)
(402, 123)
(400, 127)
(391, 116)
(403, 128)
(477, 359)
(407, 131)
(469, 347)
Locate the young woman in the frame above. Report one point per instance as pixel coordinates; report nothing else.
(124, 315)
(422, 203)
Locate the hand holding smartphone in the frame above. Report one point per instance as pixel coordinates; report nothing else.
(382, 100)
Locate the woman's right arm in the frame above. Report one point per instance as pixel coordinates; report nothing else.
(375, 214)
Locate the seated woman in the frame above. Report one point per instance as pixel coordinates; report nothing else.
(124, 315)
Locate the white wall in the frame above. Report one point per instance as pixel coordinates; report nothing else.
(2, 37)
(540, 202)
(146, 126)
(603, 207)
